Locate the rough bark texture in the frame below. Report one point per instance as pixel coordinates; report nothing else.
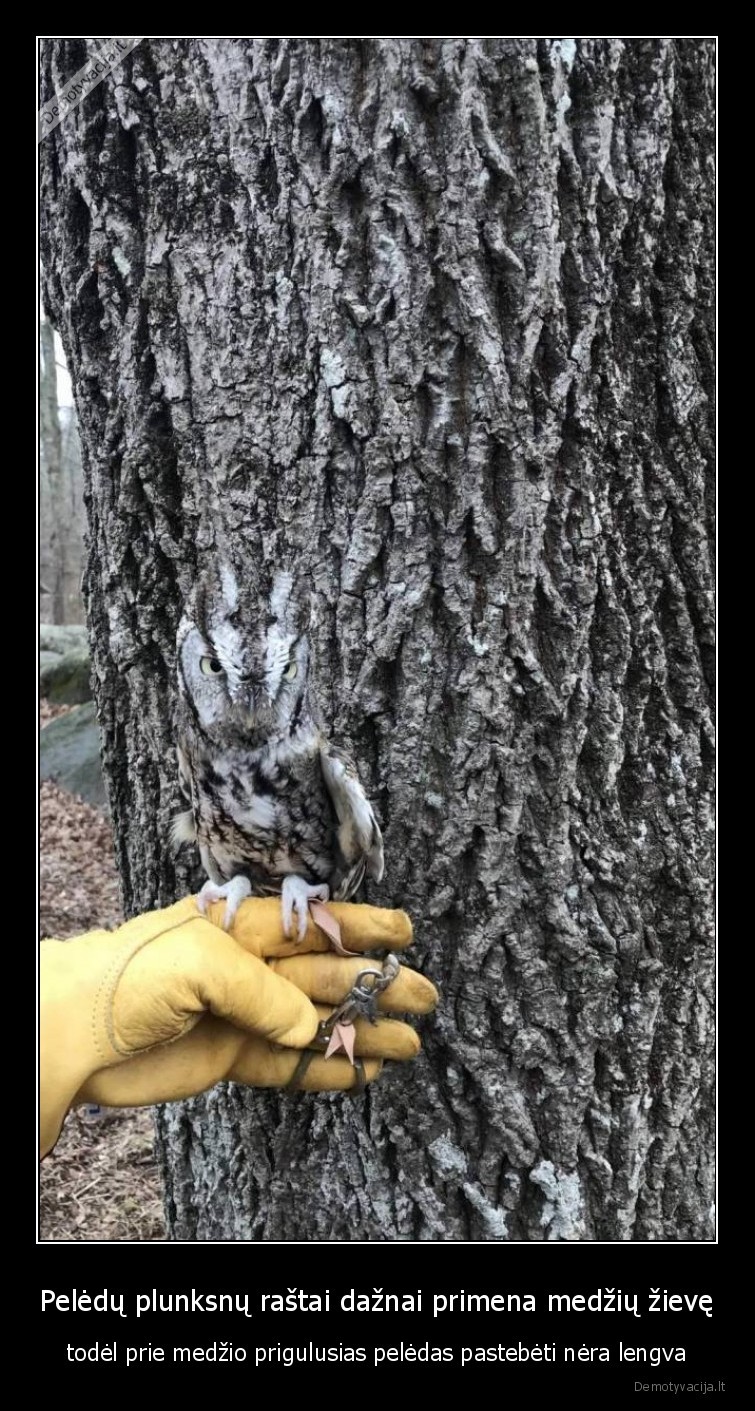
(436, 317)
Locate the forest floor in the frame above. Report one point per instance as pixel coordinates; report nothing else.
(101, 1180)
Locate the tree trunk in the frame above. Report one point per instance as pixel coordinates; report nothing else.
(434, 317)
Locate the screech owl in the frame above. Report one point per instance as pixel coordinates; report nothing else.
(274, 807)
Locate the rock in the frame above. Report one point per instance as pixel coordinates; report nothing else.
(66, 680)
(69, 753)
(47, 659)
(54, 638)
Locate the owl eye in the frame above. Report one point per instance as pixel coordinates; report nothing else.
(210, 666)
(290, 671)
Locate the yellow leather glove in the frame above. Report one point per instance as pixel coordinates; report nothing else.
(170, 1004)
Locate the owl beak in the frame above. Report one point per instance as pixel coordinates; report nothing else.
(253, 700)
(247, 689)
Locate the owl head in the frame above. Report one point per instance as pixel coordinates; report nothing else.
(243, 651)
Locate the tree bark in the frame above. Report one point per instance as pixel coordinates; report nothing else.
(434, 317)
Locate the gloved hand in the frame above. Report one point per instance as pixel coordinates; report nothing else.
(170, 1004)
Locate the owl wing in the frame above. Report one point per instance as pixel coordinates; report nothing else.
(359, 836)
(183, 827)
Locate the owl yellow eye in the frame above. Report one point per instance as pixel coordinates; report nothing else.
(290, 671)
(210, 666)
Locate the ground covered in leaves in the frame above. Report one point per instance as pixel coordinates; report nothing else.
(100, 1182)
(77, 877)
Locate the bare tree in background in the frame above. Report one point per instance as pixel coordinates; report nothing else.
(51, 549)
(434, 318)
(61, 501)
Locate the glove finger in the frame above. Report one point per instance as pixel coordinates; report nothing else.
(276, 1068)
(211, 1053)
(245, 991)
(328, 979)
(388, 1038)
(258, 927)
(192, 1064)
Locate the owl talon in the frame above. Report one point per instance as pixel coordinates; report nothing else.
(232, 893)
(295, 896)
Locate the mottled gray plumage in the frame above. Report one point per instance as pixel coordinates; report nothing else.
(273, 805)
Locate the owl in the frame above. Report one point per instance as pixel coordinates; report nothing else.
(274, 806)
